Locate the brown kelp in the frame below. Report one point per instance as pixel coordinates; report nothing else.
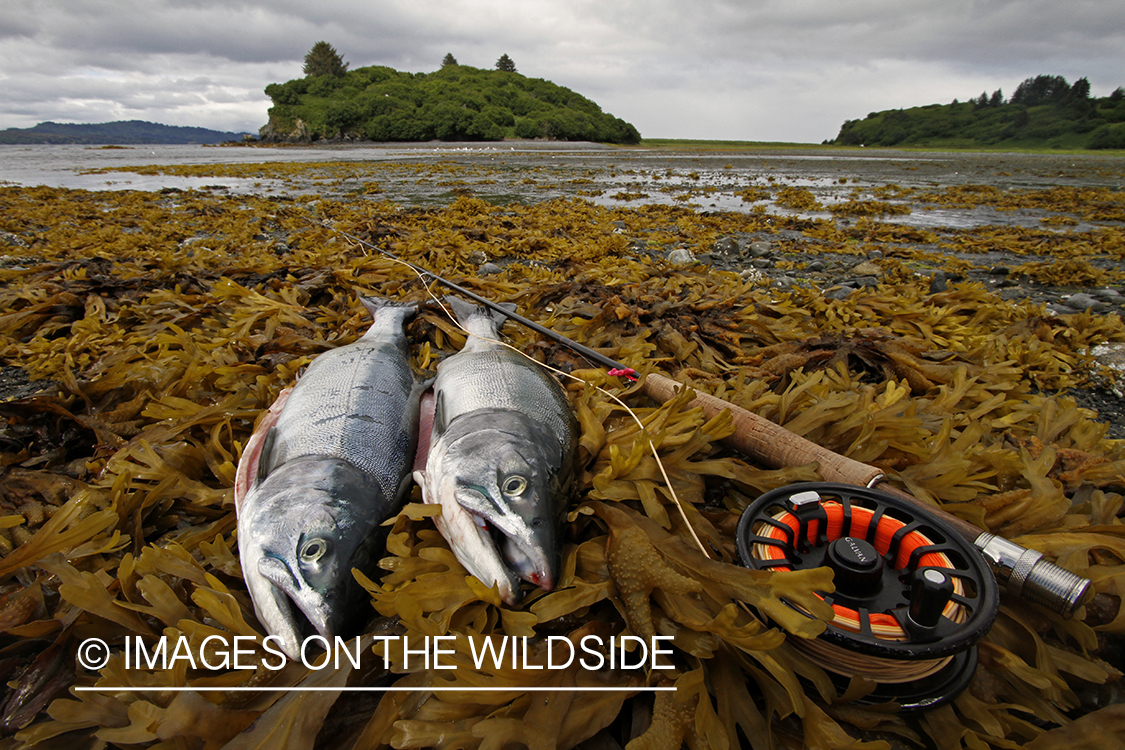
(157, 327)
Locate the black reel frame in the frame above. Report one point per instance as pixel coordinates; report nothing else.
(868, 582)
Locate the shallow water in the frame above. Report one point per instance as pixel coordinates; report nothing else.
(531, 171)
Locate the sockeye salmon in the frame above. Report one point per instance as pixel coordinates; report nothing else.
(499, 458)
(326, 466)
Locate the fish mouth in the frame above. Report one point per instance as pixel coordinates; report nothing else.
(519, 561)
(287, 612)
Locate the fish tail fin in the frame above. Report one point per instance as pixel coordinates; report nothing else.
(395, 314)
(467, 312)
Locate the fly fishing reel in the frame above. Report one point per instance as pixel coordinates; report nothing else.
(912, 596)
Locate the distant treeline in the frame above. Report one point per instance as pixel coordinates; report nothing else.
(1044, 112)
(454, 103)
(114, 133)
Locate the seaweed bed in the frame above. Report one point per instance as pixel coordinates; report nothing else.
(143, 333)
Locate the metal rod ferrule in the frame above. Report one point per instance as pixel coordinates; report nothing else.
(1025, 573)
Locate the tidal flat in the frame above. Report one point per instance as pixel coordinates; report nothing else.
(952, 319)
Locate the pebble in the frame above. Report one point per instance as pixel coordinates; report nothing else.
(488, 269)
(726, 246)
(761, 249)
(477, 257)
(1013, 292)
(1082, 301)
(875, 255)
(681, 256)
(938, 282)
(866, 268)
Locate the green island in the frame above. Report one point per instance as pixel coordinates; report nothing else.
(454, 103)
(113, 133)
(1044, 112)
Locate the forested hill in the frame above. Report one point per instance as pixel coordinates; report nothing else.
(454, 103)
(1043, 112)
(114, 133)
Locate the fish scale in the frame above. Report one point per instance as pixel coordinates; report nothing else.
(327, 464)
(501, 379)
(337, 410)
(499, 460)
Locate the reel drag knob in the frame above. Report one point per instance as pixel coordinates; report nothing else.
(912, 596)
(858, 566)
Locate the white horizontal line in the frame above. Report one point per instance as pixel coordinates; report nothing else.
(392, 689)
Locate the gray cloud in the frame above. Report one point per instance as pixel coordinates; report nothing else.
(757, 70)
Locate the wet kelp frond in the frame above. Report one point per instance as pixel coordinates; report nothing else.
(159, 326)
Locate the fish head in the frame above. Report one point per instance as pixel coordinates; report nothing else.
(301, 531)
(498, 481)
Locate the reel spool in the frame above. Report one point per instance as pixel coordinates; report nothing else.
(912, 595)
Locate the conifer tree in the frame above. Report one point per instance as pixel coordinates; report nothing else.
(324, 60)
(505, 63)
(448, 60)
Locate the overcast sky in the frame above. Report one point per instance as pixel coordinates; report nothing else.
(764, 70)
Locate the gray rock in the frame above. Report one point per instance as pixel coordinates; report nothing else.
(839, 292)
(761, 248)
(477, 257)
(13, 240)
(488, 269)
(1080, 301)
(875, 255)
(999, 270)
(866, 281)
(1013, 292)
(1110, 295)
(681, 256)
(726, 246)
(762, 263)
(938, 282)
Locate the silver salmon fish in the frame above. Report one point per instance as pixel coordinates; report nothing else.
(498, 459)
(328, 463)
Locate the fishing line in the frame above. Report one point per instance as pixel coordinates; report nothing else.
(911, 629)
(615, 368)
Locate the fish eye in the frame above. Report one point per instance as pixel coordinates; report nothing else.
(514, 485)
(313, 550)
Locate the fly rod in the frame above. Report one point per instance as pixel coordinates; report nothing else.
(1024, 572)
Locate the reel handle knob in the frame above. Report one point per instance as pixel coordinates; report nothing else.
(930, 591)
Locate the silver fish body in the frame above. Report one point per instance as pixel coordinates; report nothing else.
(499, 460)
(328, 464)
